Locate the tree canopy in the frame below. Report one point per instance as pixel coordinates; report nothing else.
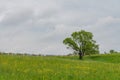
(82, 43)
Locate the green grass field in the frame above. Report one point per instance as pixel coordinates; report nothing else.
(97, 67)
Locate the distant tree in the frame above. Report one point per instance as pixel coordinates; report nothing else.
(105, 52)
(112, 51)
(82, 43)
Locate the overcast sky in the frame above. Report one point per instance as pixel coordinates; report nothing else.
(39, 26)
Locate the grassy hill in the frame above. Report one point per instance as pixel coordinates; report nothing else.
(97, 67)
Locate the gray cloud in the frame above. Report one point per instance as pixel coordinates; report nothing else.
(40, 26)
(16, 18)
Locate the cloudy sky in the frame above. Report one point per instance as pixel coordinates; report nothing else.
(39, 26)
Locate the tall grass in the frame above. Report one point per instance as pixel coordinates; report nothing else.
(103, 67)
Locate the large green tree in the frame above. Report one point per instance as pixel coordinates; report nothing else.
(82, 43)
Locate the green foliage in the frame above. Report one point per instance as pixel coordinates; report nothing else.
(71, 43)
(82, 41)
(14, 67)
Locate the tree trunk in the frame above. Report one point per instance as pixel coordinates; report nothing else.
(80, 55)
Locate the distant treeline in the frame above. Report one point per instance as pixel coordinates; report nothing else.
(27, 54)
(21, 54)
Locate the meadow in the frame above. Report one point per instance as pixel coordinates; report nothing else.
(96, 67)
